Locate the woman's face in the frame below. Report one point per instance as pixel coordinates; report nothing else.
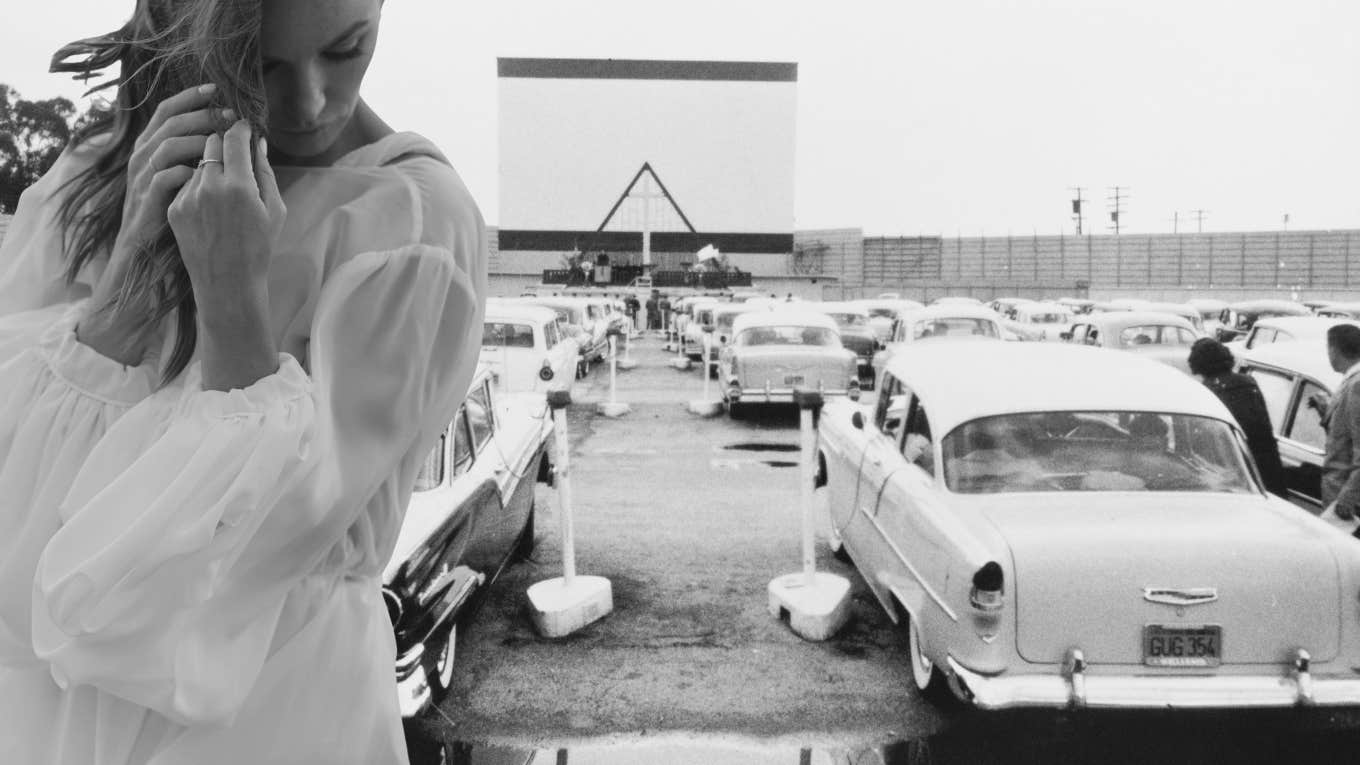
(314, 55)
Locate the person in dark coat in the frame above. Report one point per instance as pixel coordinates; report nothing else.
(1213, 363)
(653, 310)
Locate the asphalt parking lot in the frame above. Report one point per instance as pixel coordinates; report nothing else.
(690, 519)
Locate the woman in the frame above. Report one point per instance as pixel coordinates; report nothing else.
(221, 366)
(1213, 363)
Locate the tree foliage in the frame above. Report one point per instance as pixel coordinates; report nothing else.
(32, 136)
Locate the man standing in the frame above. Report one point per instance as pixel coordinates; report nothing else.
(1341, 467)
(653, 310)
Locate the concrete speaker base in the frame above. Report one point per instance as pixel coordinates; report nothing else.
(816, 612)
(558, 610)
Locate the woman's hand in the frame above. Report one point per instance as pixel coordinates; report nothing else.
(161, 163)
(225, 220)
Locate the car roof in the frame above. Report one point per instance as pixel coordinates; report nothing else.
(1257, 306)
(951, 311)
(1208, 304)
(1042, 307)
(499, 311)
(784, 318)
(839, 306)
(735, 308)
(1135, 318)
(1306, 357)
(1309, 326)
(960, 382)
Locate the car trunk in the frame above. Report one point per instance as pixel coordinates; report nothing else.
(786, 366)
(1082, 564)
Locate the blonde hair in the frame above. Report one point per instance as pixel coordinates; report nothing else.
(166, 47)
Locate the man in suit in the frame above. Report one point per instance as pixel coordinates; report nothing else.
(1341, 467)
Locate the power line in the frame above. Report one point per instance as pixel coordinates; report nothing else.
(1199, 220)
(1076, 207)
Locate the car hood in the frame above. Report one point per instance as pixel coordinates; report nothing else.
(1083, 560)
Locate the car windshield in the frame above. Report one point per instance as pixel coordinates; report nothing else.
(954, 328)
(1048, 318)
(1155, 334)
(849, 319)
(507, 335)
(787, 335)
(1094, 451)
(881, 313)
(724, 320)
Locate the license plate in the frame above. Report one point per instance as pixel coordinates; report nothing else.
(793, 379)
(1182, 646)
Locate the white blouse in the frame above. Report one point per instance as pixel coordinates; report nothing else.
(190, 575)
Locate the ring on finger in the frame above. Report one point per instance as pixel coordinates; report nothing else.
(205, 161)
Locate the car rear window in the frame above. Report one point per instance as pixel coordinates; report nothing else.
(788, 335)
(1095, 451)
(497, 333)
(1155, 334)
(954, 328)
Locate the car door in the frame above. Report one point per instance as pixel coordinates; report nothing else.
(490, 542)
(881, 457)
(1303, 445)
(910, 514)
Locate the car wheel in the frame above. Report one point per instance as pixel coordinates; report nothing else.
(929, 680)
(439, 665)
(735, 410)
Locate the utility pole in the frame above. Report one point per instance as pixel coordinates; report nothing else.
(1176, 222)
(1199, 220)
(1119, 195)
(1286, 221)
(1076, 207)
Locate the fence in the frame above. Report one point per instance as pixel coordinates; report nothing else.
(619, 276)
(1266, 261)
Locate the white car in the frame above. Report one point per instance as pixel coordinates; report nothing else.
(526, 348)
(1277, 329)
(1039, 321)
(774, 353)
(1062, 526)
(700, 322)
(941, 321)
(591, 332)
(883, 312)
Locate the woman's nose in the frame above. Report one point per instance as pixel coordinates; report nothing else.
(309, 97)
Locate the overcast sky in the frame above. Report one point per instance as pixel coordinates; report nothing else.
(956, 116)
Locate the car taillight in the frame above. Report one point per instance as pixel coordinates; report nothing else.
(988, 587)
(545, 373)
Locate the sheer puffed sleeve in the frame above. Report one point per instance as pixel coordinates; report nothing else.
(194, 517)
(32, 264)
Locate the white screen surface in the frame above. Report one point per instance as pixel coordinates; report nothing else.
(724, 150)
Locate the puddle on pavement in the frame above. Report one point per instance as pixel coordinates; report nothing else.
(757, 447)
(1236, 737)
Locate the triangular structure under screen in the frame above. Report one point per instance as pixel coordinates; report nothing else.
(635, 211)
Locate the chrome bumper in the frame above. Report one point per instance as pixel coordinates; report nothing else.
(776, 395)
(413, 685)
(1075, 688)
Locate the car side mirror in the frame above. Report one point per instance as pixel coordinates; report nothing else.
(1066, 336)
(857, 420)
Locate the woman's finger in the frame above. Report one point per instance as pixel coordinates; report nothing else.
(264, 178)
(198, 122)
(236, 153)
(181, 150)
(180, 103)
(166, 184)
(212, 155)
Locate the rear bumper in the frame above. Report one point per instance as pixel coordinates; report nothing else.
(1073, 687)
(773, 395)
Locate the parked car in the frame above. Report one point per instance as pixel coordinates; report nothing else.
(470, 514)
(955, 300)
(1238, 318)
(774, 353)
(1039, 321)
(699, 324)
(1059, 526)
(857, 336)
(1076, 306)
(1340, 310)
(1210, 310)
(883, 312)
(1278, 329)
(526, 349)
(943, 321)
(1159, 336)
(591, 334)
(1183, 310)
(1296, 381)
(1005, 306)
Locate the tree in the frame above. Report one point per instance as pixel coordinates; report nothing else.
(32, 136)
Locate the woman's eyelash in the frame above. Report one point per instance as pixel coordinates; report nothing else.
(354, 52)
